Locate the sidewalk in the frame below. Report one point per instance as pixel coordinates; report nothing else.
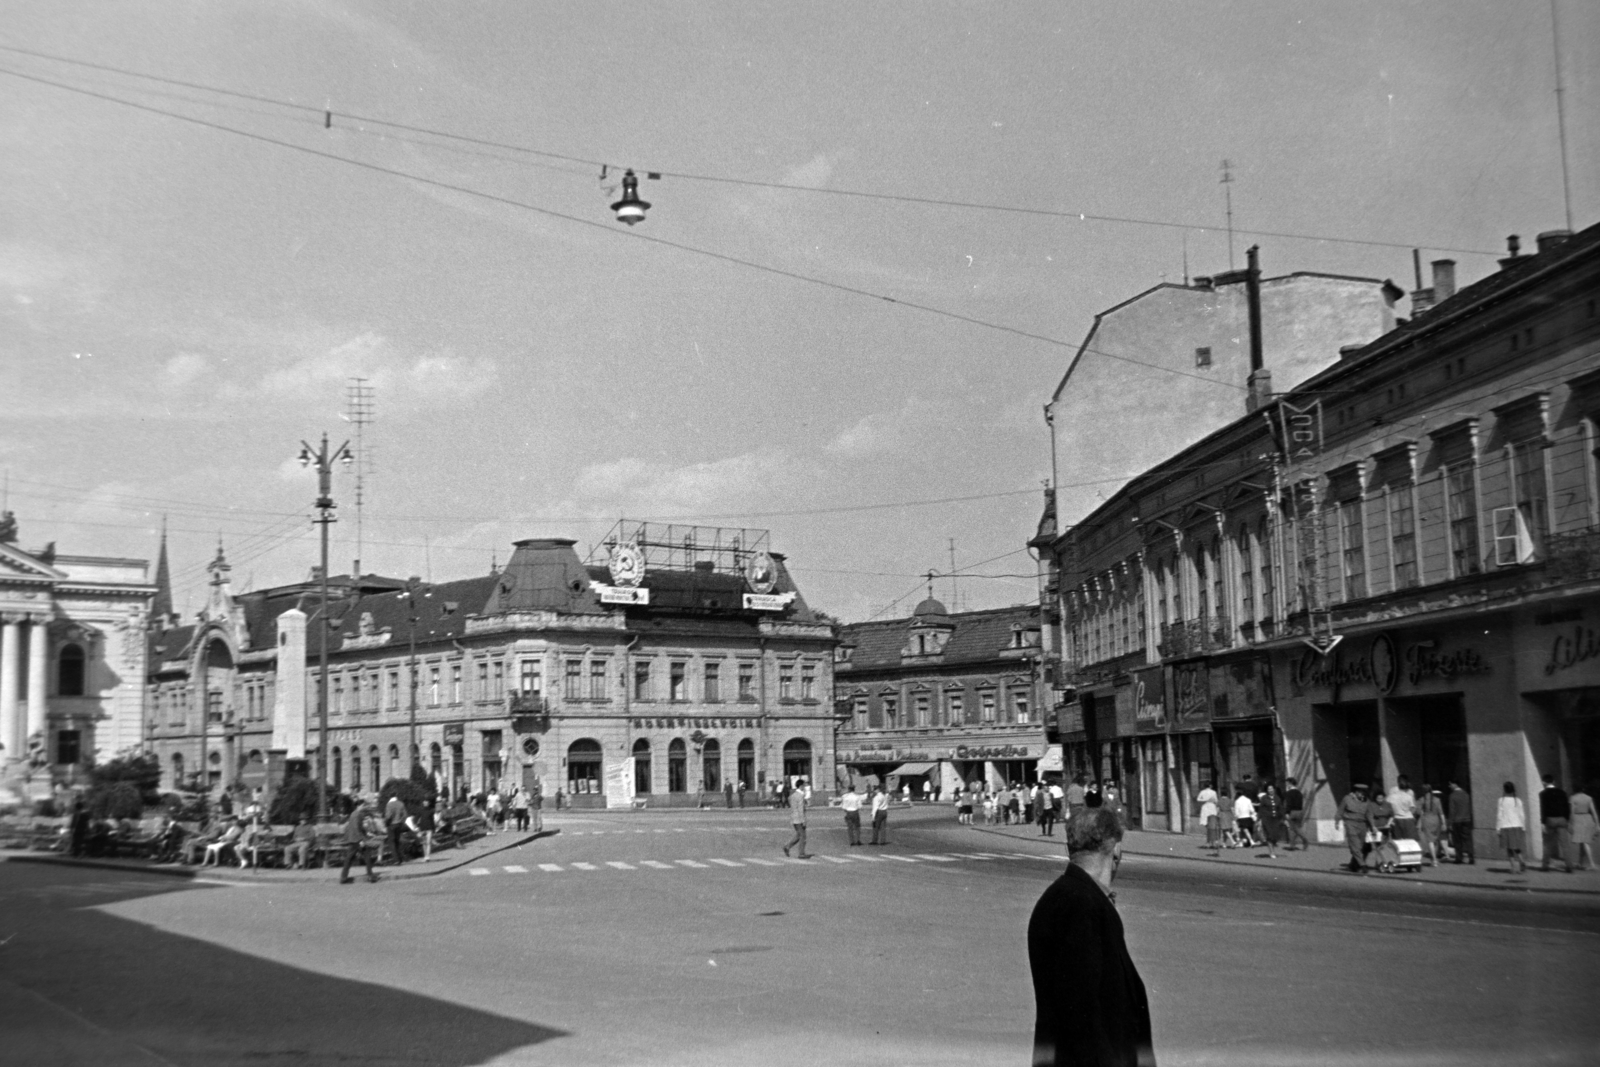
(1329, 859)
(441, 862)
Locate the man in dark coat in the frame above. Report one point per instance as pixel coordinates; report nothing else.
(1091, 1007)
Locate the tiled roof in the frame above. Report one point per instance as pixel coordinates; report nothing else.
(976, 637)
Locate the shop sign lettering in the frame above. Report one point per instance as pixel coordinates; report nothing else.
(1316, 671)
(679, 722)
(1149, 705)
(1191, 688)
(1423, 662)
(994, 752)
(1583, 645)
(455, 733)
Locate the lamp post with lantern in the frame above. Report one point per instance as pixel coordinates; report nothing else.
(324, 461)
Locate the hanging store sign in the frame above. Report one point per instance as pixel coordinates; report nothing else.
(616, 594)
(767, 601)
(1149, 701)
(1301, 430)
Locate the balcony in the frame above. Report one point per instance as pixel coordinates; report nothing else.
(1575, 556)
(530, 712)
(1195, 637)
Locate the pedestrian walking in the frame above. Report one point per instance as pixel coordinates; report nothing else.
(1045, 811)
(1585, 824)
(1511, 823)
(1555, 818)
(797, 818)
(727, 793)
(1244, 817)
(1353, 817)
(1270, 812)
(1207, 799)
(1458, 810)
(880, 818)
(1075, 795)
(358, 829)
(1294, 815)
(742, 788)
(425, 826)
(1380, 831)
(1404, 804)
(1225, 827)
(963, 805)
(519, 809)
(850, 803)
(1430, 824)
(394, 818)
(1090, 1005)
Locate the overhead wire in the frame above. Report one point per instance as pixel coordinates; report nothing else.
(590, 161)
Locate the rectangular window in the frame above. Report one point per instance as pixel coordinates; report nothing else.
(482, 692)
(1268, 586)
(433, 686)
(455, 683)
(1403, 534)
(1019, 704)
(678, 682)
(747, 681)
(1161, 594)
(986, 707)
(532, 677)
(1353, 547)
(374, 691)
(808, 682)
(1247, 584)
(598, 670)
(394, 689)
(1202, 587)
(1461, 487)
(1527, 468)
(955, 716)
(891, 711)
(924, 710)
(499, 680)
(641, 681)
(572, 681)
(713, 683)
(786, 681)
(858, 712)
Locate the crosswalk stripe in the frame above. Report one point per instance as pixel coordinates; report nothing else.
(619, 865)
(585, 867)
(549, 866)
(726, 863)
(512, 868)
(902, 859)
(657, 864)
(679, 829)
(693, 863)
(933, 858)
(872, 859)
(837, 859)
(660, 831)
(479, 870)
(761, 863)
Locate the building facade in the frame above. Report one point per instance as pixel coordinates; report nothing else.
(941, 699)
(71, 662)
(1393, 569)
(687, 664)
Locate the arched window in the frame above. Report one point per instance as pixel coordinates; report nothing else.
(797, 759)
(338, 770)
(394, 762)
(677, 766)
(641, 766)
(377, 768)
(711, 767)
(70, 671)
(747, 764)
(583, 766)
(435, 757)
(355, 770)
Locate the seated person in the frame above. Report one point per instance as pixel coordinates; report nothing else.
(222, 844)
(298, 852)
(195, 844)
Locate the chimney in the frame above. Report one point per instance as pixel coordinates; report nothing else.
(1444, 280)
(1421, 299)
(1550, 240)
(1513, 252)
(1260, 381)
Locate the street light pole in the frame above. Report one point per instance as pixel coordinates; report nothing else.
(325, 506)
(413, 586)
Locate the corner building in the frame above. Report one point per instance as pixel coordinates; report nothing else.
(688, 664)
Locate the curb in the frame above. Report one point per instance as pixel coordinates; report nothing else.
(232, 875)
(1385, 879)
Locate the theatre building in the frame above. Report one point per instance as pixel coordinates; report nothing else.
(682, 661)
(939, 699)
(1391, 569)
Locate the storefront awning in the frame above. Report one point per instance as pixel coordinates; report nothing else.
(913, 769)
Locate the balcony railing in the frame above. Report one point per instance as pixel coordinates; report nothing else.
(1194, 637)
(527, 703)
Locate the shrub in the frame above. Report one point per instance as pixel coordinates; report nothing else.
(115, 800)
(143, 772)
(425, 780)
(412, 794)
(295, 801)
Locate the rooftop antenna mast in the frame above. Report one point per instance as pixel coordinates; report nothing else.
(359, 412)
(1561, 113)
(955, 591)
(1227, 194)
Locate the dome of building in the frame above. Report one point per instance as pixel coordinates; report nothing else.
(930, 606)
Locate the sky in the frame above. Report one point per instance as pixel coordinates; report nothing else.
(181, 305)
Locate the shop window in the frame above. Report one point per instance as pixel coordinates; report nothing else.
(797, 759)
(747, 763)
(599, 668)
(713, 683)
(395, 770)
(583, 767)
(641, 766)
(177, 770)
(573, 680)
(747, 681)
(711, 767)
(458, 765)
(435, 758)
(641, 681)
(677, 766)
(70, 673)
(677, 682)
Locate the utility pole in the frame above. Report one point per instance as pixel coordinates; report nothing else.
(413, 587)
(325, 507)
(1561, 114)
(955, 591)
(1227, 194)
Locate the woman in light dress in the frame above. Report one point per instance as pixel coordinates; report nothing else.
(1511, 823)
(1584, 825)
(1209, 815)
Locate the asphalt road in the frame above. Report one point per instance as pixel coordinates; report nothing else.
(656, 938)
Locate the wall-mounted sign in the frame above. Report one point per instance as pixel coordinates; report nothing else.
(1569, 650)
(1191, 695)
(455, 733)
(686, 722)
(612, 594)
(1383, 665)
(337, 737)
(997, 752)
(1149, 701)
(762, 573)
(626, 564)
(767, 601)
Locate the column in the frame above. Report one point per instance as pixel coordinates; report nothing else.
(9, 638)
(38, 658)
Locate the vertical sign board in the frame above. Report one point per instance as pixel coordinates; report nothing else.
(619, 784)
(1191, 696)
(1149, 701)
(1127, 723)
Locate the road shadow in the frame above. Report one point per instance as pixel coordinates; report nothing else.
(80, 986)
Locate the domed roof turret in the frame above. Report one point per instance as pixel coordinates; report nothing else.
(930, 606)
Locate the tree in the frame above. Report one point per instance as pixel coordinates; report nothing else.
(142, 772)
(412, 794)
(115, 800)
(295, 801)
